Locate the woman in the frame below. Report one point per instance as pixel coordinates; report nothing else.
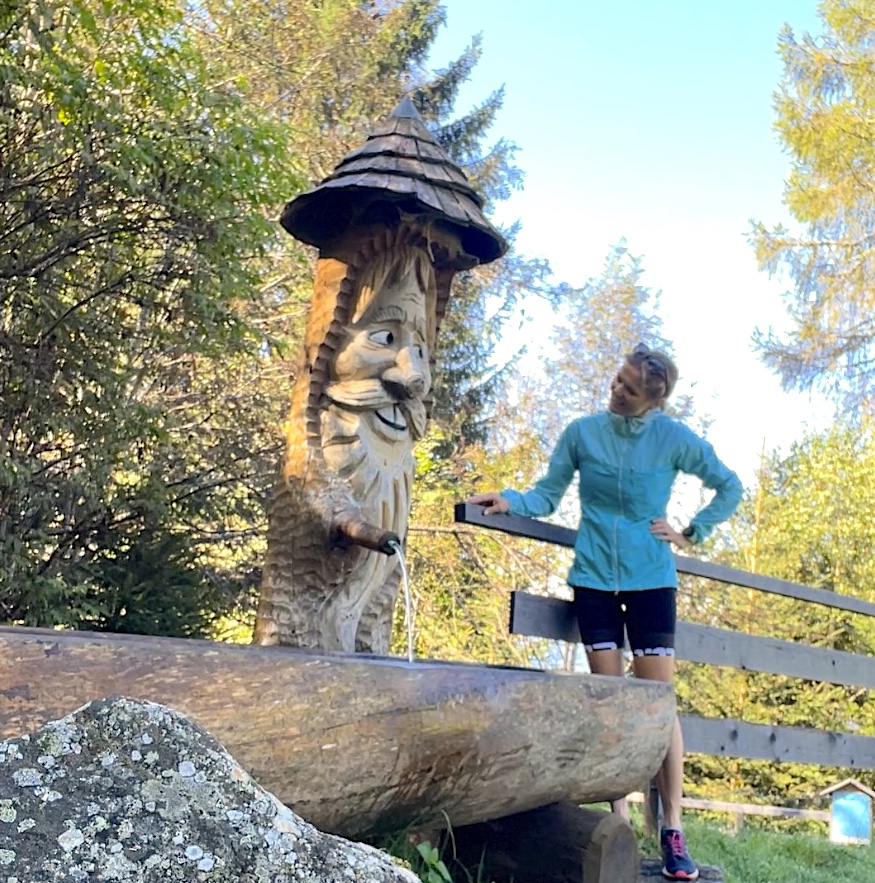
(623, 574)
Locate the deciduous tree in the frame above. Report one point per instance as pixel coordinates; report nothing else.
(825, 117)
(134, 209)
(809, 523)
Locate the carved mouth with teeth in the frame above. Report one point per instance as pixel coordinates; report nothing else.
(394, 419)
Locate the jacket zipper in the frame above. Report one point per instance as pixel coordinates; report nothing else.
(616, 543)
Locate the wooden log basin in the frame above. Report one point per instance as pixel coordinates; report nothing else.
(362, 746)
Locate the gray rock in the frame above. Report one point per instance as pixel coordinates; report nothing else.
(125, 790)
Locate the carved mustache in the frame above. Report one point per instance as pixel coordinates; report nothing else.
(371, 395)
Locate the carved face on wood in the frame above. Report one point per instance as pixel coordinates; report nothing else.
(381, 373)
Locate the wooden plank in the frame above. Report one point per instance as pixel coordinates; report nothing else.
(732, 576)
(455, 204)
(516, 525)
(651, 869)
(749, 809)
(399, 144)
(385, 163)
(735, 738)
(395, 166)
(553, 618)
(541, 616)
(536, 529)
(361, 179)
(428, 150)
(713, 646)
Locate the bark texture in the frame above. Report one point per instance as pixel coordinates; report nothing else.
(359, 745)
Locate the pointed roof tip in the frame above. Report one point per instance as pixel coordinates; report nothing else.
(405, 109)
(400, 163)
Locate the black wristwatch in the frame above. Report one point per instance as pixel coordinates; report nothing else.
(690, 533)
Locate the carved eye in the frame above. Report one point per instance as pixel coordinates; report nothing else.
(382, 338)
(421, 352)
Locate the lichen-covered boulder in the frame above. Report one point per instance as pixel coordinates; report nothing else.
(125, 790)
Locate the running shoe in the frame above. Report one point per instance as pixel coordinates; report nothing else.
(676, 861)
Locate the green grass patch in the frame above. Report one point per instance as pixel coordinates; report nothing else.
(757, 855)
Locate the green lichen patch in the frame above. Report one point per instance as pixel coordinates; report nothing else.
(126, 790)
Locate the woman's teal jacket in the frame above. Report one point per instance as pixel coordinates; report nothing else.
(627, 466)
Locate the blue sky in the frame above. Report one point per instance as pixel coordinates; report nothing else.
(653, 121)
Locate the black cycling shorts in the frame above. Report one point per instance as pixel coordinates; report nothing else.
(648, 616)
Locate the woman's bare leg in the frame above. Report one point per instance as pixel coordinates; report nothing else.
(610, 662)
(670, 778)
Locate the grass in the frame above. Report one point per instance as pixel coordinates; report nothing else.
(760, 855)
(757, 854)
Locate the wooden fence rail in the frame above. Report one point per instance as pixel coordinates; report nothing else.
(554, 618)
(744, 809)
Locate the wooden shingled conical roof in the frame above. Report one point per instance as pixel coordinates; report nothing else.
(399, 169)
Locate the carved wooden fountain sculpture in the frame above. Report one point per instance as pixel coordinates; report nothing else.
(393, 224)
(362, 744)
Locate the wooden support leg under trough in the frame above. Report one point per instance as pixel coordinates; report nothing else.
(651, 872)
(558, 843)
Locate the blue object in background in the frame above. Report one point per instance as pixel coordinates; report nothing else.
(851, 818)
(851, 812)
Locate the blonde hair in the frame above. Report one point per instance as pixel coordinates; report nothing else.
(658, 371)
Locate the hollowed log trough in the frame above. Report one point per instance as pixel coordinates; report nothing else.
(363, 746)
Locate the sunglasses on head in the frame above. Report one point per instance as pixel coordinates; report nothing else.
(654, 364)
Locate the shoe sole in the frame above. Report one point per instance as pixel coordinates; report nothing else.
(682, 876)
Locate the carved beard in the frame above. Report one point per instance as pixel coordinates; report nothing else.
(372, 450)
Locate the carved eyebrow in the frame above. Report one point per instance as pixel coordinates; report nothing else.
(390, 313)
(394, 313)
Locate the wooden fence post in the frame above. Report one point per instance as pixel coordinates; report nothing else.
(653, 817)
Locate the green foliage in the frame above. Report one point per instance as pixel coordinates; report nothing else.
(461, 577)
(599, 324)
(434, 870)
(810, 523)
(427, 860)
(150, 304)
(825, 119)
(329, 71)
(134, 200)
(123, 595)
(469, 386)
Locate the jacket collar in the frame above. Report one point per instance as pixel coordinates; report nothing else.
(630, 426)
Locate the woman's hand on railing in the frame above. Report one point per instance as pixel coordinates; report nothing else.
(493, 503)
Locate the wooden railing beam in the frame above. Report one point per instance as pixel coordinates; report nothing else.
(554, 618)
(535, 529)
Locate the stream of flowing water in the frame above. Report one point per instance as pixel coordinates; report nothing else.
(408, 601)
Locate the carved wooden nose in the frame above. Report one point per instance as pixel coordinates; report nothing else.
(416, 385)
(408, 372)
(403, 385)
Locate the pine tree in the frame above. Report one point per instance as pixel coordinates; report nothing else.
(599, 324)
